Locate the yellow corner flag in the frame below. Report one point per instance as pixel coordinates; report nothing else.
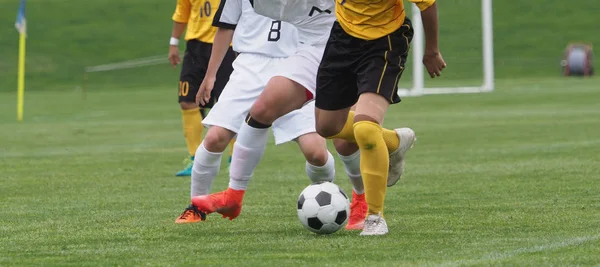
(21, 25)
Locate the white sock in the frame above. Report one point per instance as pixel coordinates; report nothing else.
(325, 173)
(352, 167)
(247, 152)
(205, 169)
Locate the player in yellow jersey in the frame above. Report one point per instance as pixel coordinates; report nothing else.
(362, 64)
(197, 17)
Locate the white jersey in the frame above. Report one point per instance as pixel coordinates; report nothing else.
(255, 33)
(312, 18)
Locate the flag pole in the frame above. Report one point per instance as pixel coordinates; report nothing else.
(21, 77)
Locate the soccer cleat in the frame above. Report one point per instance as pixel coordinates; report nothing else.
(187, 171)
(191, 214)
(228, 203)
(358, 212)
(374, 225)
(407, 141)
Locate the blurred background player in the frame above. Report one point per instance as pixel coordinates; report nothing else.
(196, 16)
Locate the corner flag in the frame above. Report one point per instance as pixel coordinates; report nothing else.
(21, 25)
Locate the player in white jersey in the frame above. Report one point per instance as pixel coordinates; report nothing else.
(264, 46)
(290, 91)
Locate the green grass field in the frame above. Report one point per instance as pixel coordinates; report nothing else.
(506, 178)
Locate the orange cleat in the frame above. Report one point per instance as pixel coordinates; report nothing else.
(191, 214)
(227, 203)
(358, 212)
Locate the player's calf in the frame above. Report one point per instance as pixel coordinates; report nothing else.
(333, 124)
(320, 164)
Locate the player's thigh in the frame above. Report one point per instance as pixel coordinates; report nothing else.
(281, 96)
(382, 64)
(240, 93)
(223, 75)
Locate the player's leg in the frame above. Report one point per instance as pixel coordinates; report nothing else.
(222, 78)
(192, 73)
(349, 154)
(378, 69)
(320, 164)
(283, 93)
(378, 83)
(250, 147)
(299, 126)
(287, 91)
(224, 122)
(206, 165)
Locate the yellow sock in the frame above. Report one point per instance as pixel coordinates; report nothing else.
(192, 128)
(347, 132)
(374, 161)
(391, 140)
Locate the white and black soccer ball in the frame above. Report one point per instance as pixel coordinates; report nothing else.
(323, 208)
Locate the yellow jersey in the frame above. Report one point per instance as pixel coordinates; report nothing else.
(198, 14)
(369, 20)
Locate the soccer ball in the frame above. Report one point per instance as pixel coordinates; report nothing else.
(323, 208)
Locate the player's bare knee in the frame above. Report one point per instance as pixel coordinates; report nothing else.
(344, 147)
(328, 129)
(317, 156)
(217, 139)
(261, 112)
(187, 105)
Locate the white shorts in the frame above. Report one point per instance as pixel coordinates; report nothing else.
(302, 66)
(250, 75)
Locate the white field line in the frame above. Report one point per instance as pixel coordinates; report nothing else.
(148, 61)
(503, 255)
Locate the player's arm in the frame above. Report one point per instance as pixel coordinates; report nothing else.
(223, 38)
(225, 20)
(180, 19)
(176, 32)
(433, 58)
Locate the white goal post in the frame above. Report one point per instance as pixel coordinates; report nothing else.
(419, 88)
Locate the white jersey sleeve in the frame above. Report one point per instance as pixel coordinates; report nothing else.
(228, 15)
(255, 33)
(312, 18)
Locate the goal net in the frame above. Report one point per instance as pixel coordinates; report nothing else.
(466, 43)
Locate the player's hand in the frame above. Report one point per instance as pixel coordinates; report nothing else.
(203, 95)
(174, 55)
(434, 63)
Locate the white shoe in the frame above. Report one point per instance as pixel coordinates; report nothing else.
(374, 225)
(407, 140)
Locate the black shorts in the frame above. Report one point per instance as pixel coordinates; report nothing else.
(195, 64)
(352, 66)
